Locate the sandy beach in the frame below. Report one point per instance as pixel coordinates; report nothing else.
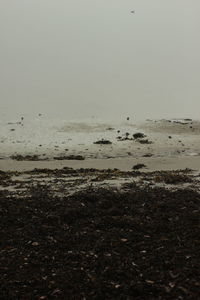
(165, 144)
(99, 210)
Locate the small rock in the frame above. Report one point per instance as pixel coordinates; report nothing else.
(124, 240)
(138, 135)
(139, 166)
(35, 244)
(150, 281)
(117, 286)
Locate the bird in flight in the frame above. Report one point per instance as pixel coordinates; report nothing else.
(132, 11)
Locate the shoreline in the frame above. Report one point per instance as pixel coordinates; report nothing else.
(123, 164)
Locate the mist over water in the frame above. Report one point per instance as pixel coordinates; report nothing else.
(78, 59)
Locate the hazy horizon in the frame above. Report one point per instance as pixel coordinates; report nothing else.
(77, 59)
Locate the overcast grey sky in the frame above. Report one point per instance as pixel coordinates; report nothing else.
(78, 58)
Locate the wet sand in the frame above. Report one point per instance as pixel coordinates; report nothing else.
(123, 164)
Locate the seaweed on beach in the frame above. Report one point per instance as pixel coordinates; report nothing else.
(138, 166)
(148, 155)
(20, 157)
(139, 135)
(133, 243)
(145, 141)
(4, 178)
(172, 177)
(103, 142)
(69, 157)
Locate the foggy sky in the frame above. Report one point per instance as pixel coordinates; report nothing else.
(77, 58)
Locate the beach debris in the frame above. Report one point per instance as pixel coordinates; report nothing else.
(125, 137)
(70, 244)
(124, 240)
(145, 141)
(110, 128)
(138, 166)
(148, 155)
(181, 122)
(103, 142)
(172, 177)
(69, 157)
(139, 135)
(20, 157)
(127, 118)
(104, 228)
(35, 244)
